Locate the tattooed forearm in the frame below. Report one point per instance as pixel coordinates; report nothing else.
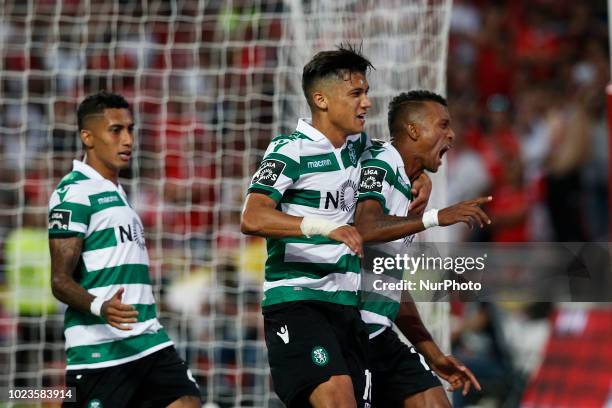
(65, 255)
(387, 221)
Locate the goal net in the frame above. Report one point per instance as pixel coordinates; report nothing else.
(210, 83)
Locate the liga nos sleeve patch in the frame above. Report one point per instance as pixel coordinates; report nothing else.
(269, 172)
(59, 219)
(372, 180)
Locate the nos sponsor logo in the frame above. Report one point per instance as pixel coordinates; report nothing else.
(345, 198)
(133, 232)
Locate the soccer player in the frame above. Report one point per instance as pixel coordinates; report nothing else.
(302, 198)
(118, 354)
(420, 129)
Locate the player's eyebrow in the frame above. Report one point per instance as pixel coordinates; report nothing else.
(359, 88)
(116, 125)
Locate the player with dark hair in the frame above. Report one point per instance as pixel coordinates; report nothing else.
(420, 129)
(118, 354)
(302, 199)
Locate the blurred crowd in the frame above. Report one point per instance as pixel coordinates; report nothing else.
(526, 85)
(526, 89)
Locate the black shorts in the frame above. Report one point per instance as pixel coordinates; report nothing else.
(308, 342)
(152, 381)
(398, 371)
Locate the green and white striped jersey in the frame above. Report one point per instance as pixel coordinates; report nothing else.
(307, 176)
(114, 255)
(383, 178)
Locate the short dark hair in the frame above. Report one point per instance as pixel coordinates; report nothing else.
(336, 62)
(407, 104)
(96, 103)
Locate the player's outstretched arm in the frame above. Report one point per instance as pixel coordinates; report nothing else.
(376, 226)
(447, 367)
(260, 217)
(468, 212)
(65, 254)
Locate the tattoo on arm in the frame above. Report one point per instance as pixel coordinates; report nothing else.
(392, 221)
(65, 255)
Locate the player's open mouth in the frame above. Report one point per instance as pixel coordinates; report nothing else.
(444, 150)
(125, 155)
(362, 117)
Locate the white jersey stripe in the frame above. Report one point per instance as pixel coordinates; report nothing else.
(134, 294)
(330, 283)
(111, 257)
(315, 253)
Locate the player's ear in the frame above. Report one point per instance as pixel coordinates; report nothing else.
(411, 130)
(86, 137)
(319, 100)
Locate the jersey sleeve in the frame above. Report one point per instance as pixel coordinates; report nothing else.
(68, 216)
(278, 170)
(376, 182)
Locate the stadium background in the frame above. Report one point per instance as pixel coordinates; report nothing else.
(212, 82)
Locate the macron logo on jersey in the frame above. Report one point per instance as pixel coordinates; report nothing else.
(107, 200)
(319, 163)
(283, 334)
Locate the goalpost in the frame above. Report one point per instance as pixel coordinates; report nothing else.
(210, 83)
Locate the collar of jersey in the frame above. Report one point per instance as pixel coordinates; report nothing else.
(90, 172)
(400, 163)
(304, 126)
(86, 169)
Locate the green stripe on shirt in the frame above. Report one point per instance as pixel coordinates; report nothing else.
(116, 275)
(114, 350)
(104, 238)
(291, 294)
(308, 198)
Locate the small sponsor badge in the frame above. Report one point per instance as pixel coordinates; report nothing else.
(372, 180)
(59, 219)
(269, 172)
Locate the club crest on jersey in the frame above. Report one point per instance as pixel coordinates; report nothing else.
(59, 219)
(319, 356)
(351, 148)
(269, 172)
(372, 179)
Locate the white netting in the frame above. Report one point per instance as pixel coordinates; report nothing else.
(211, 83)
